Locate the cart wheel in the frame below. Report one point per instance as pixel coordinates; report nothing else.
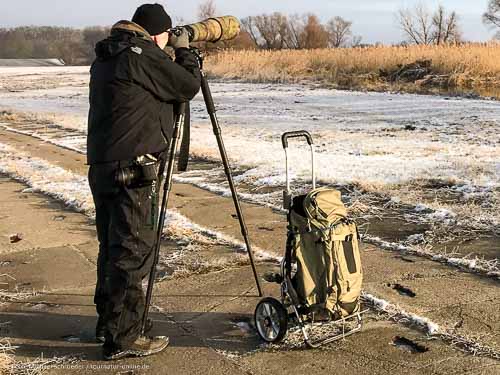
(271, 320)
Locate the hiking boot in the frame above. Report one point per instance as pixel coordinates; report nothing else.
(141, 347)
(100, 334)
(100, 330)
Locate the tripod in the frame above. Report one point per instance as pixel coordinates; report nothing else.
(168, 174)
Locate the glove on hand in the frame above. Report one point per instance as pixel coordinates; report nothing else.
(181, 41)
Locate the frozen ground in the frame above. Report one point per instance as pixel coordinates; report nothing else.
(406, 199)
(431, 162)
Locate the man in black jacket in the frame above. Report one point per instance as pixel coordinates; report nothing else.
(134, 87)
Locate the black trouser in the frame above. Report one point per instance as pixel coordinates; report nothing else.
(125, 220)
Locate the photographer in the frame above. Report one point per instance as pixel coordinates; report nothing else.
(134, 86)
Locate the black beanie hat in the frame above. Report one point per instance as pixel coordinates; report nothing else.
(153, 18)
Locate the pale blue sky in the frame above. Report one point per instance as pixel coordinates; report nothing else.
(374, 20)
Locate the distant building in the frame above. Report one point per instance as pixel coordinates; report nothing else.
(31, 62)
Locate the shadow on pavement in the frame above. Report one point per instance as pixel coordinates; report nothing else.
(38, 333)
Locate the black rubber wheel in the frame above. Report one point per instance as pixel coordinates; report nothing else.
(271, 320)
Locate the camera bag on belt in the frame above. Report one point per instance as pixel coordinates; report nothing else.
(143, 172)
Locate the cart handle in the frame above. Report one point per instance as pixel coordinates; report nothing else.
(296, 134)
(284, 139)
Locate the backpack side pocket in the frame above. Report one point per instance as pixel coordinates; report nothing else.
(349, 274)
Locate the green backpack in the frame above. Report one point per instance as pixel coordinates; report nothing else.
(325, 245)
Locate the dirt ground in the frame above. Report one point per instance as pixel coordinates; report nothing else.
(208, 315)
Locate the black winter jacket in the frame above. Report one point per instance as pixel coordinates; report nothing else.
(133, 86)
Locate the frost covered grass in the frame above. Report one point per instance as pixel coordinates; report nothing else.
(188, 262)
(401, 316)
(379, 141)
(74, 191)
(444, 224)
(196, 178)
(488, 267)
(45, 120)
(453, 202)
(64, 141)
(434, 160)
(43, 177)
(470, 345)
(364, 205)
(466, 66)
(15, 296)
(182, 229)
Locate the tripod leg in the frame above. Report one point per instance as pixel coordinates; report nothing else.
(183, 162)
(209, 102)
(167, 174)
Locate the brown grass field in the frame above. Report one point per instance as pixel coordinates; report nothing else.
(469, 68)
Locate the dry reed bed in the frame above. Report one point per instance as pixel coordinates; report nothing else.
(467, 66)
(6, 356)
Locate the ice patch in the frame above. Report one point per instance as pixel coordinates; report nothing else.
(361, 140)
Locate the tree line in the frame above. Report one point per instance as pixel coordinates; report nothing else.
(280, 31)
(274, 31)
(74, 46)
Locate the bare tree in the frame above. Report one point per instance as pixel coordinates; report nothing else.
(492, 15)
(438, 21)
(277, 24)
(296, 25)
(446, 29)
(422, 27)
(269, 31)
(248, 25)
(207, 9)
(268, 26)
(339, 32)
(416, 23)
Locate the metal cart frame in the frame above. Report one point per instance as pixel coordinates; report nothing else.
(272, 317)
